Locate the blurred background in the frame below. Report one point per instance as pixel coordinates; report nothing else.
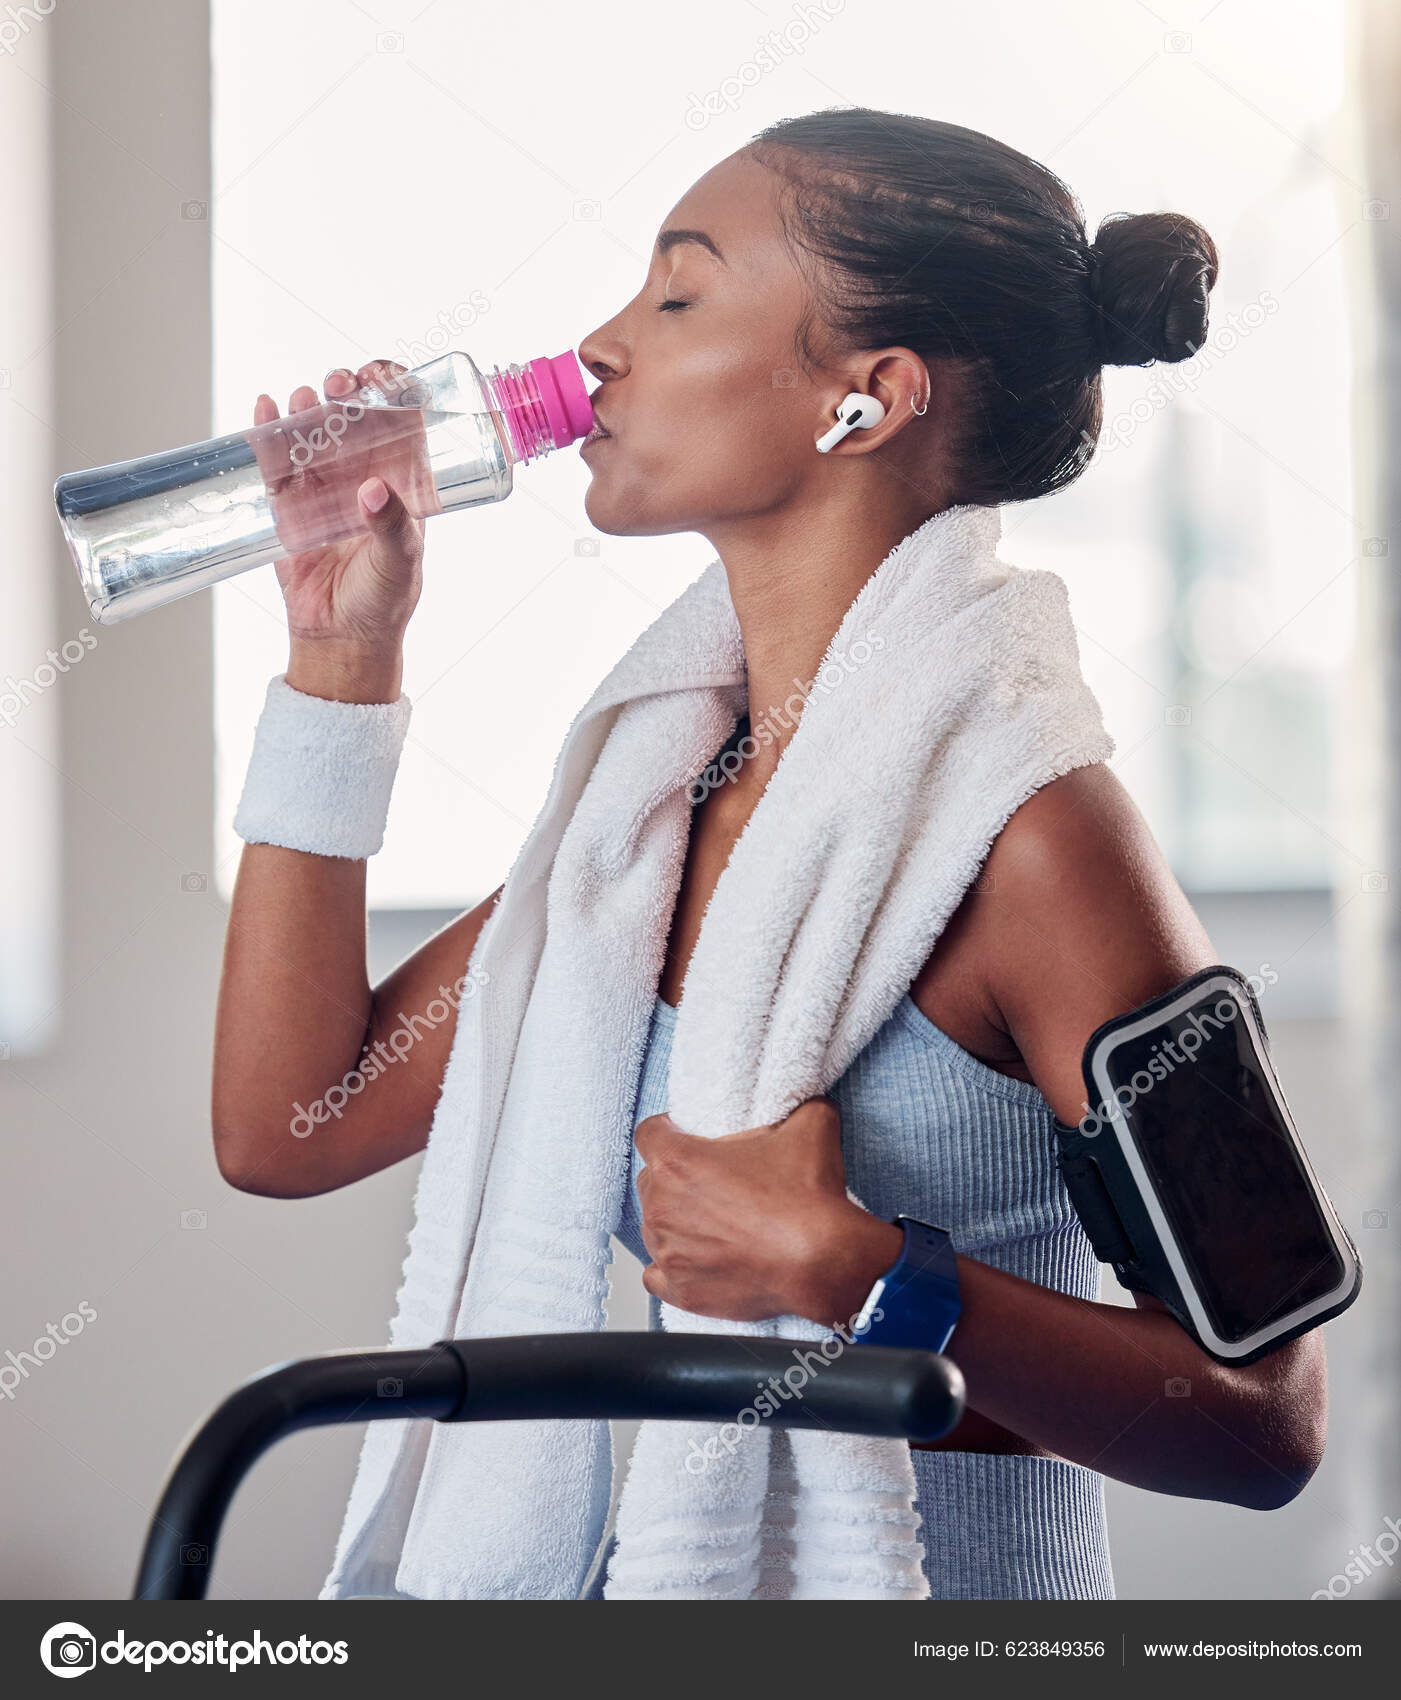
(208, 200)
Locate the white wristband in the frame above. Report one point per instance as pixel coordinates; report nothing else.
(321, 772)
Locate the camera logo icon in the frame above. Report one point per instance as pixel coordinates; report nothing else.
(68, 1649)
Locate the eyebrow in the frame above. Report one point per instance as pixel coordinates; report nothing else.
(669, 239)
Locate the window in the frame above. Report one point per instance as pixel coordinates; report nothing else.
(418, 186)
(34, 652)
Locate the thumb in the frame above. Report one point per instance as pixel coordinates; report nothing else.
(658, 1286)
(388, 519)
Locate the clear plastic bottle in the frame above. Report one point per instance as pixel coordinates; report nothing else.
(445, 435)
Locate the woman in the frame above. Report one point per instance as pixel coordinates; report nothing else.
(951, 278)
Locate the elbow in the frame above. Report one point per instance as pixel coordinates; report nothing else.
(1281, 1479)
(1287, 1468)
(1290, 1426)
(249, 1165)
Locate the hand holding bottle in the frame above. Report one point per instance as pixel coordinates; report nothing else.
(348, 603)
(439, 438)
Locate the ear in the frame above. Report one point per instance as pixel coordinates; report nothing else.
(900, 381)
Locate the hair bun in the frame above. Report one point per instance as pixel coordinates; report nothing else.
(1150, 275)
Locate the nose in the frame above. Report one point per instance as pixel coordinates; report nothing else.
(603, 354)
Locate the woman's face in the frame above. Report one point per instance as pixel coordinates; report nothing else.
(710, 418)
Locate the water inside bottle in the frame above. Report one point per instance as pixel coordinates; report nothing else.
(313, 463)
(170, 523)
(445, 436)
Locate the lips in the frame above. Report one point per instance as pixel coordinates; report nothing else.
(600, 430)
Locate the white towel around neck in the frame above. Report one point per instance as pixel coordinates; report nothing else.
(950, 692)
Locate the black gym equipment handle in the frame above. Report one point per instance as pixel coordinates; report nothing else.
(911, 1394)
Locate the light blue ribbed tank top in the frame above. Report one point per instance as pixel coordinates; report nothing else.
(929, 1130)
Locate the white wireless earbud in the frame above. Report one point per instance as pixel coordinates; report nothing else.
(857, 410)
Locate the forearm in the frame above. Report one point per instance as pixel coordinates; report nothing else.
(294, 997)
(1125, 1392)
(295, 1002)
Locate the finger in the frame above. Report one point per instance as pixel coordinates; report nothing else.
(822, 1115)
(303, 397)
(655, 1134)
(656, 1284)
(338, 382)
(746, 1133)
(388, 518)
(382, 374)
(373, 370)
(823, 1102)
(660, 1120)
(264, 410)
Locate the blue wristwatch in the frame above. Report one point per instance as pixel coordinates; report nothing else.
(917, 1301)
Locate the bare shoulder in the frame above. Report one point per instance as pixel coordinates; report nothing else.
(1078, 858)
(1085, 819)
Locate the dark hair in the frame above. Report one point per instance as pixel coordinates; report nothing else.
(949, 242)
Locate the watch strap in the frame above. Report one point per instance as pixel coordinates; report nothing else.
(917, 1301)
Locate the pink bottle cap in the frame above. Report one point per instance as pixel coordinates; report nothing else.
(560, 380)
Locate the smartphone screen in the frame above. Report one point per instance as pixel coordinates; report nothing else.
(1225, 1166)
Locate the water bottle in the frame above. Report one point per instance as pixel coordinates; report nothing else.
(144, 532)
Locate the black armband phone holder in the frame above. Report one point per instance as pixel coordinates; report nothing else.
(1190, 1178)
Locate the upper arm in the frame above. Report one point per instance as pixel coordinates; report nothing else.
(1087, 922)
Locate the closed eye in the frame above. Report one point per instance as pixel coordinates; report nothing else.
(669, 306)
